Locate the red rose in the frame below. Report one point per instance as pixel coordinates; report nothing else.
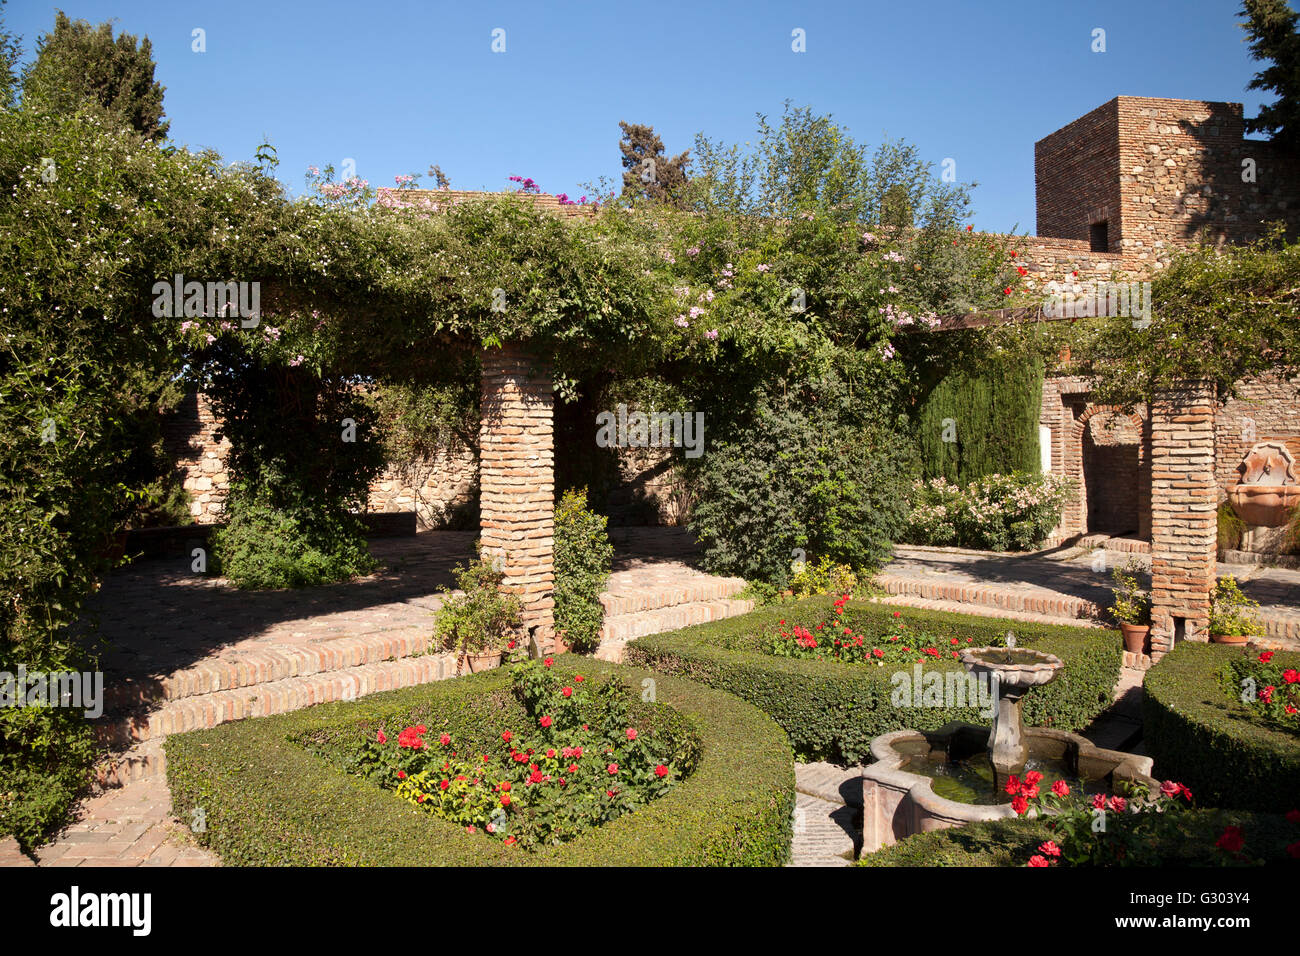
(444, 740)
(545, 721)
(1049, 849)
(631, 734)
(1013, 785)
(661, 771)
(1170, 789)
(1061, 788)
(505, 800)
(382, 738)
(549, 661)
(1232, 840)
(567, 692)
(401, 775)
(1266, 657)
(1037, 860)
(507, 736)
(898, 614)
(612, 768)
(1099, 801)
(1033, 777)
(444, 785)
(579, 678)
(1020, 804)
(510, 841)
(1118, 804)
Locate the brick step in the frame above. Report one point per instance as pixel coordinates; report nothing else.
(275, 697)
(620, 629)
(1008, 602)
(634, 599)
(142, 761)
(979, 610)
(264, 666)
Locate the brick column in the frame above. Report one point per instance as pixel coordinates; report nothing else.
(1184, 500)
(517, 480)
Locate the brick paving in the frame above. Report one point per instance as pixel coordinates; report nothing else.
(1061, 585)
(181, 650)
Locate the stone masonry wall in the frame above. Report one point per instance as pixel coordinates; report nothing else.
(190, 440)
(517, 480)
(1076, 176)
(1267, 410)
(1183, 527)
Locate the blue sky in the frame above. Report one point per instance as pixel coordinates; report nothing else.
(396, 86)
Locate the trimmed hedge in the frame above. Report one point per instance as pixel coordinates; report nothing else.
(272, 792)
(1011, 842)
(832, 711)
(1202, 736)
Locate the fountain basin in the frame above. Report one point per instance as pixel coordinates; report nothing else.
(897, 802)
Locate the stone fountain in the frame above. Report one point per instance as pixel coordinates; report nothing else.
(1011, 671)
(970, 763)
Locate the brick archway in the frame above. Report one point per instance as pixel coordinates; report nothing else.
(1136, 474)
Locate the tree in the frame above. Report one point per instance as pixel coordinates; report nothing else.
(1275, 38)
(647, 171)
(78, 64)
(10, 51)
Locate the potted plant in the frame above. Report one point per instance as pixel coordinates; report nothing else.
(1131, 608)
(1232, 616)
(480, 621)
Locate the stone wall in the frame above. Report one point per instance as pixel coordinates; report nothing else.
(1267, 410)
(190, 440)
(442, 491)
(1160, 172)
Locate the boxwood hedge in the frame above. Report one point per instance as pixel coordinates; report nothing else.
(273, 790)
(1202, 735)
(1011, 842)
(832, 711)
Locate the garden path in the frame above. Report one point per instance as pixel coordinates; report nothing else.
(182, 651)
(1067, 585)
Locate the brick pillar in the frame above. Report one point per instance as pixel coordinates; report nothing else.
(517, 480)
(1184, 499)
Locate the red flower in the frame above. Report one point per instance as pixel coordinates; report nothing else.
(1007, 290)
(1266, 657)
(567, 692)
(444, 785)
(631, 734)
(471, 830)
(1291, 676)
(401, 775)
(535, 777)
(545, 721)
(510, 645)
(898, 614)
(511, 841)
(382, 738)
(549, 661)
(1170, 789)
(444, 740)
(1013, 253)
(661, 771)
(1033, 777)
(612, 768)
(1099, 801)
(550, 752)
(579, 678)
(1020, 804)
(1118, 804)
(1049, 849)
(507, 736)
(1232, 840)
(1037, 860)
(1061, 788)
(1013, 785)
(969, 228)
(505, 800)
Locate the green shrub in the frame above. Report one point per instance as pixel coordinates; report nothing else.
(283, 790)
(832, 710)
(801, 483)
(1231, 528)
(1201, 734)
(268, 547)
(483, 618)
(1013, 512)
(1012, 842)
(583, 556)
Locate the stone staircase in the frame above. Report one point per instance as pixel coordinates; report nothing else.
(990, 600)
(258, 679)
(663, 597)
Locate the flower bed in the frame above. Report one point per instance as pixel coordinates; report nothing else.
(319, 787)
(1192, 838)
(832, 710)
(1231, 752)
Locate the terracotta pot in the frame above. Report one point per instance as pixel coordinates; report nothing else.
(1265, 506)
(1135, 637)
(481, 660)
(1234, 639)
